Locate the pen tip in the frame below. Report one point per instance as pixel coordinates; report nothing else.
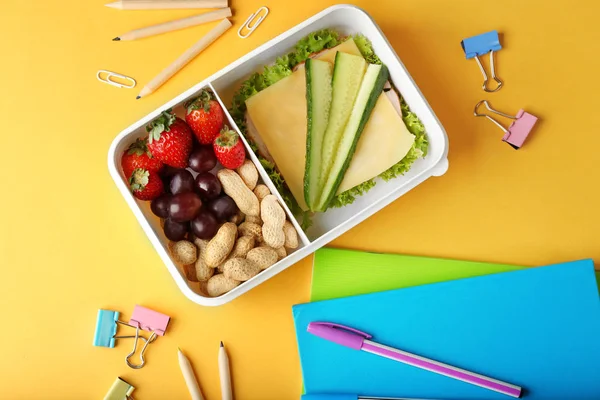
(116, 39)
(138, 97)
(221, 344)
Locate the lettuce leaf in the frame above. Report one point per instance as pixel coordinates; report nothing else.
(350, 195)
(283, 66)
(366, 49)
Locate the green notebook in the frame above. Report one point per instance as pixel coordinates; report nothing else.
(342, 273)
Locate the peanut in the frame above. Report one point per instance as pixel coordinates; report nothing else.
(281, 253)
(273, 218)
(261, 191)
(190, 272)
(242, 246)
(291, 236)
(247, 171)
(240, 269)
(234, 187)
(250, 229)
(202, 271)
(264, 257)
(221, 245)
(237, 218)
(184, 252)
(203, 288)
(220, 284)
(254, 220)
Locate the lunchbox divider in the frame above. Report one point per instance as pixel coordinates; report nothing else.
(262, 172)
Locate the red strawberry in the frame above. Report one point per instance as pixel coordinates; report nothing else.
(229, 149)
(146, 185)
(170, 139)
(138, 156)
(205, 116)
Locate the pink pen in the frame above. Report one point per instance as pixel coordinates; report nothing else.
(358, 340)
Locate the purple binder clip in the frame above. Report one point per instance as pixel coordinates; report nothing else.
(518, 130)
(479, 45)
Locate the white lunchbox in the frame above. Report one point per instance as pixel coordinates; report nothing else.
(327, 226)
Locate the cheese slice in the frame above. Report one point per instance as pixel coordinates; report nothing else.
(279, 115)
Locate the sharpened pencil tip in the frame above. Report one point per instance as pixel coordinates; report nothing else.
(116, 39)
(138, 97)
(221, 344)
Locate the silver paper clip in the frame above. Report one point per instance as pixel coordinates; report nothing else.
(110, 74)
(248, 24)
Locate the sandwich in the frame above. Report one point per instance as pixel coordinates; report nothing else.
(290, 122)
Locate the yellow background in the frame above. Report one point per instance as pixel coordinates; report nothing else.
(70, 245)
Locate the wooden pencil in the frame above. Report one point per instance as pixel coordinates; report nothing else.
(185, 58)
(166, 4)
(175, 25)
(224, 374)
(189, 377)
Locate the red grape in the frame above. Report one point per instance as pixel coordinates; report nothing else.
(182, 182)
(202, 159)
(222, 207)
(208, 185)
(184, 207)
(175, 230)
(160, 206)
(205, 225)
(168, 171)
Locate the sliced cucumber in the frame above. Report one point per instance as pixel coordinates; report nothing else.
(318, 102)
(348, 72)
(370, 90)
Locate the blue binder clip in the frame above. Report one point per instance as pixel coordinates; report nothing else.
(479, 45)
(106, 328)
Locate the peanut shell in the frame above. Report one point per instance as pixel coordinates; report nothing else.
(221, 245)
(234, 187)
(240, 269)
(247, 171)
(263, 256)
(220, 284)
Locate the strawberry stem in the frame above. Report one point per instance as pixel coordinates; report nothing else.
(202, 101)
(227, 138)
(139, 179)
(161, 124)
(138, 148)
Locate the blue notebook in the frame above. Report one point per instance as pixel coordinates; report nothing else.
(538, 328)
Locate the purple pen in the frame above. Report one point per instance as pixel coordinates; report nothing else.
(358, 340)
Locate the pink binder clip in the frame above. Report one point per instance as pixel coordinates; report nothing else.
(518, 130)
(147, 320)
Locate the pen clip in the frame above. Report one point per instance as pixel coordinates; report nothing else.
(343, 327)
